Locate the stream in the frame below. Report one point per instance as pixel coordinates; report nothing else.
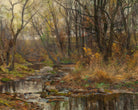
(31, 89)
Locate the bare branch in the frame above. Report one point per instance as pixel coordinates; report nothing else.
(73, 9)
(23, 10)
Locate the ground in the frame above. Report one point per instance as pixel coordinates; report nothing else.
(76, 82)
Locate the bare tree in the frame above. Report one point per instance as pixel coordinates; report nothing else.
(39, 29)
(24, 21)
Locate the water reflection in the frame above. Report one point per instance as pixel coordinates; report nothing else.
(22, 86)
(97, 102)
(31, 91)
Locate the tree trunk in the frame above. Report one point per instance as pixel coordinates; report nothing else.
(76, 15)
(77, 39)
(82, 42)
(96, 19)
(2, 59)
(69, 43)
(134, 31)
(59, 39)
(7, 57)
(49, 55)
(128, 33)
(13, 47)
(108, 51)
(13, 56)
(68, 26)
(126, 28)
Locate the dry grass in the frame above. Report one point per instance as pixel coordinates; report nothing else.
(97, 71)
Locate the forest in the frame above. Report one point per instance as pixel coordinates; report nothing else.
(90, 45)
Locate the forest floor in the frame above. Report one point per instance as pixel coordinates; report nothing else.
(99, 81)
(21, 71)
(100, 77)
(78, 82)
(10, 101)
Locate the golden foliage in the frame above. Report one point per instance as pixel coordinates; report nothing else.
(113, 2)
(87, 51)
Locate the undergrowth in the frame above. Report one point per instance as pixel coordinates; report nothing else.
(92, 69)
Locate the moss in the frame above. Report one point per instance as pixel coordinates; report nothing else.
(63, 94)
(5, 79)
(130, 83)
(53, 103)
(4, 102)
(102, 85)
(20, 70)
(136, 82)
(53, 90)
(4, 69)
(48, 62)
(53, 72)
(21, 67)
(66, 61)
(20, 59)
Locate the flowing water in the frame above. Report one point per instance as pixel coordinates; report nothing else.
(31, 89)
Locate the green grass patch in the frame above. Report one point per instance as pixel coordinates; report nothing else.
(66, 61)
(20, 59)
(48, 63)
(102, 85)
(5, 79)
(20, 70)
(128, 84)
(136, 82)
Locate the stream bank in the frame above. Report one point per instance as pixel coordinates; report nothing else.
(44, 90)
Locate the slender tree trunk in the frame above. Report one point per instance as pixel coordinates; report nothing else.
(134, 23)
(76, 16)
(2, 58)
(96, 18)
(128, 31)
(82, 41)
(7, 57)
(69, 43)
(134, 31)
(13, 45)
(128, 40)
(77, 39)
(45, 43)
(126, 28)
(54, 17)
(49, 55)
(1, 43)
(13, 57)
(68, 23)
(108, 51)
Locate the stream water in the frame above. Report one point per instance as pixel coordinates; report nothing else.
(31, 88)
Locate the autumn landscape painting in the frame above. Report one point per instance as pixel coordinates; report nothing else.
(68, 55)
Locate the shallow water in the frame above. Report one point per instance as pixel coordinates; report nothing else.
(98, 102)
(31, 89)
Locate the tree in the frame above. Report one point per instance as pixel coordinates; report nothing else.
(43, 34)
(25, 19)
(95, 23)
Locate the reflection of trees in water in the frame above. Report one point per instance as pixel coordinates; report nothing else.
(99, 102)
(114, 101)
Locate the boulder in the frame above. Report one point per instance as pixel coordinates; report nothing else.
(46, 69)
